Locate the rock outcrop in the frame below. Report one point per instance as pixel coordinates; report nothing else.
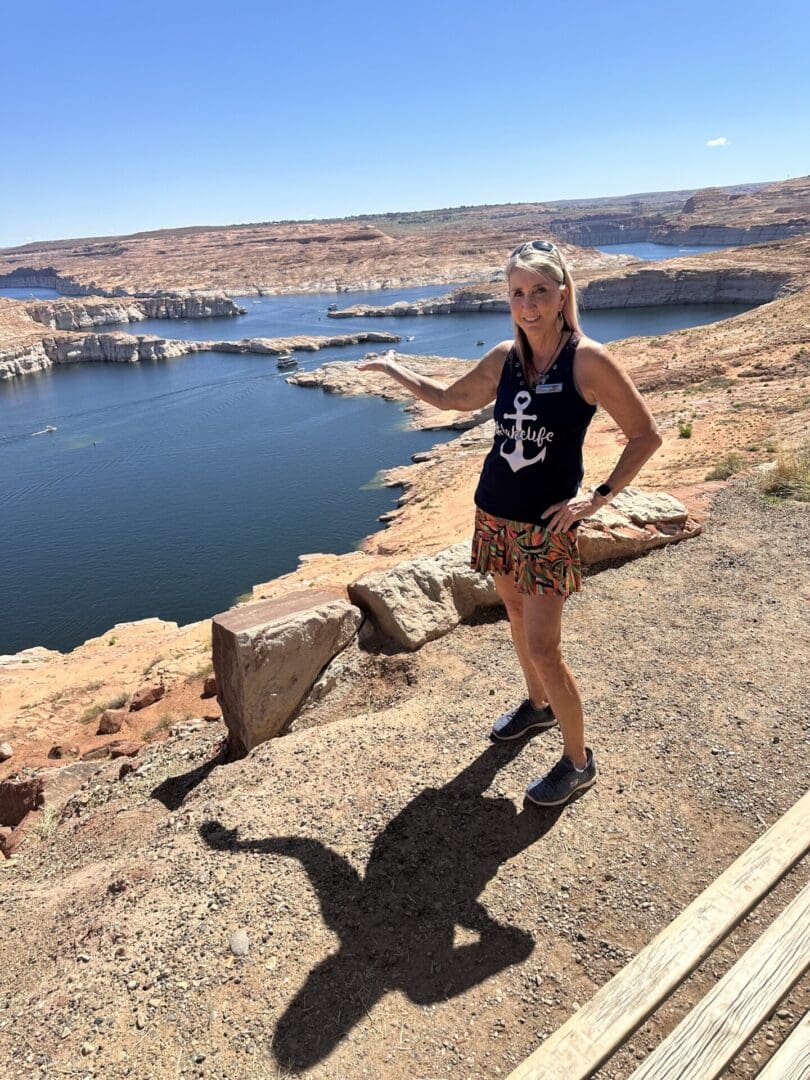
(423, 599)
(268, 655)
(70, 348)
(76, 315)
(634, 523)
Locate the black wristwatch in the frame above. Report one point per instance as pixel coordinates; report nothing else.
(605, 490)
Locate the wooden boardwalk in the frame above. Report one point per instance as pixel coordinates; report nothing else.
(717, 1028)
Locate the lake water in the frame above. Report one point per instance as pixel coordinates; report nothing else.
(171, 487)
(656, 252)
(442, 335)
(29, 292)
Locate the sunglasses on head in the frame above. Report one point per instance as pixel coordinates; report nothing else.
(536, 245)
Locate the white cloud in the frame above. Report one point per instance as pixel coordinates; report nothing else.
(722, 141)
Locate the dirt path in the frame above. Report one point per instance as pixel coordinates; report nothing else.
(407, 916)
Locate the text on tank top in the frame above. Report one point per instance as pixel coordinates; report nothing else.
(536, 455)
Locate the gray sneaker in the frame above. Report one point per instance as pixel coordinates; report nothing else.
(521, 721)
(562, 782)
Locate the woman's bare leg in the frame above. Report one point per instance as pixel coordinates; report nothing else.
(542, 625)
(513, 601)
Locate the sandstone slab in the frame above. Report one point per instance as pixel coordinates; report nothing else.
(423, 599)
(649, 507)
(267, 656)
(61, 784)
(633, 523)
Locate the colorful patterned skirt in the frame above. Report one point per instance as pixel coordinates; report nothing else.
(539, 561)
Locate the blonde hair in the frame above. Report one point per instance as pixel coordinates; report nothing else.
(552, 265)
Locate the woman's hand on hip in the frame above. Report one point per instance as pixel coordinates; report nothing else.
(562, 515)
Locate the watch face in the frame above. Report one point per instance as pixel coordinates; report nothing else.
(603, 490)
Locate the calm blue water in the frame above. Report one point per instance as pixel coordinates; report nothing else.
(657, 251)
(209, 473)
(33, 292)
(440, 335)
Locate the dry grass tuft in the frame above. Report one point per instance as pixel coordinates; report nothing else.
(790, 476)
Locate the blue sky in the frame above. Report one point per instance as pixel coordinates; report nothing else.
(116, 118)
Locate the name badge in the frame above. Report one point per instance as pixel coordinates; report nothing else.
(549, 388)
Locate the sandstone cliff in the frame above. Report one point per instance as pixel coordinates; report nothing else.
(77, 315)
(751, 275)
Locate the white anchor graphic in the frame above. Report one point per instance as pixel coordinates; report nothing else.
(516, 458)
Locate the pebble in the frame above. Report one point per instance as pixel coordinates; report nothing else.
(239, 943)
(5, 751)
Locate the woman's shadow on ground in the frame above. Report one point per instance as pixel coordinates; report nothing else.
(396, 924)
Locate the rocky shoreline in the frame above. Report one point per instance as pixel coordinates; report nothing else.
(66, 346)
(96, 311)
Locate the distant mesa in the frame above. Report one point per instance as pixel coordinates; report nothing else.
(365, 233)
(368, 232)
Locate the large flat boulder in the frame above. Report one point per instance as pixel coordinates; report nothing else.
(634, 522)
(268, 655)
(422, 599)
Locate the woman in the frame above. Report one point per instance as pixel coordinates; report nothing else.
(546, 385)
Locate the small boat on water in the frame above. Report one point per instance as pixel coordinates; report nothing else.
(480, 341)
(332, 307)
(409, 337)
(49, 430)
(286, 360)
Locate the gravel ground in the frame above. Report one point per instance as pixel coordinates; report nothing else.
(405, 915)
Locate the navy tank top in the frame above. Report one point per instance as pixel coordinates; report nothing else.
(536, 457)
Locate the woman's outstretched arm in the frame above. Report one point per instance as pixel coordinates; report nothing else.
(472, 391)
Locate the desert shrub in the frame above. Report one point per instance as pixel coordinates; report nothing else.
(727, 466)
(684, 429)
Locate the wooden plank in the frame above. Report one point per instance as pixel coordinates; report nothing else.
(792, 1060)
(712, 1034)
(578, 1048)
